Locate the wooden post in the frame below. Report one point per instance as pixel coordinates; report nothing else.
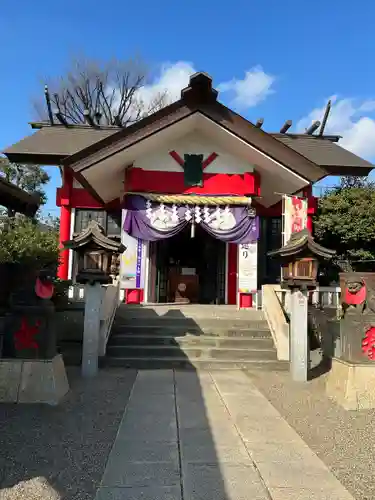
(91, 332)
(299, 341)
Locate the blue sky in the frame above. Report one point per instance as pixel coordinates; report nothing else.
(276, 59)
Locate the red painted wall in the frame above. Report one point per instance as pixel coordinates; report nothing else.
(232, 274)
(80, 198)
(139, 180)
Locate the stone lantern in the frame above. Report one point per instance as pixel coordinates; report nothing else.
(300, 260)
(98, 256)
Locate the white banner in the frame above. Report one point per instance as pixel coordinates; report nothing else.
(131, 261)
(294, 216)
(128, 268)
(248, 267)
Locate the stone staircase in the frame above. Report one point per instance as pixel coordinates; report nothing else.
(191, 336)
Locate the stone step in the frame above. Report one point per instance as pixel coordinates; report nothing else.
(189, 311)
(192, 340)
(197, 352)
(193, 364)
(189, 324)
(180, 331)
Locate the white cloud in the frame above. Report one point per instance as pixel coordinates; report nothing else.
(242, 94)
(172, 79)
(253, 89)
(350, 118)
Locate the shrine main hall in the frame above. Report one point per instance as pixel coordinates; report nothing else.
(190, 190)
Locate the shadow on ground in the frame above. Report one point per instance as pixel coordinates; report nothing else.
(65, 446)
(165, 448)
(61, 452)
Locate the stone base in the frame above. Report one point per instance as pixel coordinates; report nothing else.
(33, 381)
(352, 385)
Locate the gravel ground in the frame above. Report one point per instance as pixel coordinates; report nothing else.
(53, 453)
(60, 453)
(343, 440)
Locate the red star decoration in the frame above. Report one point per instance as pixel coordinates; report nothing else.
(368, 343)
(24, 337)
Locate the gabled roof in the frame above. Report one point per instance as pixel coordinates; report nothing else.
(17, 199)
(311, 157)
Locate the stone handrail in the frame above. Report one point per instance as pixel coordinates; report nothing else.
(322, 296)
(110, 303)
(275, 316)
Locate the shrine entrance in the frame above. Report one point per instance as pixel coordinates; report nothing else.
(188, 269)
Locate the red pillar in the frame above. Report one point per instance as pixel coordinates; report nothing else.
(65, 221)
(232, 273)
(310, 223)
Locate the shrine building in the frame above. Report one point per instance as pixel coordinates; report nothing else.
(185, 189)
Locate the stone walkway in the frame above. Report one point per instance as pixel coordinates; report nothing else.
(190, 436)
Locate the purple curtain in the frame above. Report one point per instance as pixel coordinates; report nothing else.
(152, 221)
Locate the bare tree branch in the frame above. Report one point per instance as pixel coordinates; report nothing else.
(112, 89)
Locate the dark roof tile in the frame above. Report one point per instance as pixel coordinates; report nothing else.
(57, 141)
(323, 152)
(17, 199)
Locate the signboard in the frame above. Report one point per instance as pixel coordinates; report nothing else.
(138, 267)
(248, 267)
(131, 262)
(294, 216)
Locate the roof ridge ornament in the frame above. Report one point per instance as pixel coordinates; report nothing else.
(200, 89)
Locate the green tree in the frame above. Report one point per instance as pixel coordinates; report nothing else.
(351, 181)
(345, 221)
(30, 178)
(24, 241)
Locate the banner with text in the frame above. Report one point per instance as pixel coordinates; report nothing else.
(248, 267)
(294, 216)
(131, 262)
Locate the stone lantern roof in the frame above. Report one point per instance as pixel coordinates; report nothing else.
(302, 243)
(94, 234)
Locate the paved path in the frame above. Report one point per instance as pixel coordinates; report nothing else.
(190, 436)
